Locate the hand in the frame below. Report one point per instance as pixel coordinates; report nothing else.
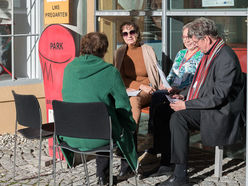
(147, 89)
(173, 90)
(161, 87)
(177, 96)
(178, 105)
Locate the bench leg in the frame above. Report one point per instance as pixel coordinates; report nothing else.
(218, 161)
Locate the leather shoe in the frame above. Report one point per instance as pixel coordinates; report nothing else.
(124, 175)
(175, 181)
(163, 170)
(105, 180)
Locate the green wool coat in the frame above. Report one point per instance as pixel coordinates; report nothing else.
(89, 79)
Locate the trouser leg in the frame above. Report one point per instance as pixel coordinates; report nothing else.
(137, 103)
(158, 98)
(102, 166)
(181, 123)
(162, 134)
(124, 165)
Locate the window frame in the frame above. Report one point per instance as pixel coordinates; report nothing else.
(32, 70)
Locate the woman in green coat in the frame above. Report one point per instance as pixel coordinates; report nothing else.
(88, 78)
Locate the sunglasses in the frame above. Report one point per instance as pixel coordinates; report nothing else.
(125, 34)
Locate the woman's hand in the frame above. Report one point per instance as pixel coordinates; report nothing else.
(173, 90)
(147, 89)
(161, 87)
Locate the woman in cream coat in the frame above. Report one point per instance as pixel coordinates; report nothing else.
(137, 64)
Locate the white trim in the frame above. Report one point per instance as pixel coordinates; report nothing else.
(19, 35)
(127, 13)
(207, 12)
(164, 27)
(12, 43)
(19, 81)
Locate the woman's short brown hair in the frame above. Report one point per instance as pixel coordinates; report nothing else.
(94, 43)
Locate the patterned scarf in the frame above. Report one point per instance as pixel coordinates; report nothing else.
(203, 69)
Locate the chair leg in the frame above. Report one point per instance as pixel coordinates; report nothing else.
(54, 160)
(136, 176)
(85, 169)
(111, 168)
(218, 161)
(15, 156)
(39, 158)
(60, 159)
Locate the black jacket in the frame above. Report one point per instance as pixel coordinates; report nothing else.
(221, 100)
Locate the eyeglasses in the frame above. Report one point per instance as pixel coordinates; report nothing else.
(185, 38)
(197, 41)
(131, 32)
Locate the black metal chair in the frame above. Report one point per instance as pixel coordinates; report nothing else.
(83, 120)
(28, 114)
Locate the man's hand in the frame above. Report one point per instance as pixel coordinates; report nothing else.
(178, 105)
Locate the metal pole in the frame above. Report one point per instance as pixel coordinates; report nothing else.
(164, 26)
(96, 17)
(12, 42)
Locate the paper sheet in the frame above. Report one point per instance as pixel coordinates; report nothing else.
(163, 77)
(171, 100)
(133, 93)
(165, 83)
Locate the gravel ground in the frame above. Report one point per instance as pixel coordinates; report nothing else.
(201, 167)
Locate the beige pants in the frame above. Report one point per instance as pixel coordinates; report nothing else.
(137, 103)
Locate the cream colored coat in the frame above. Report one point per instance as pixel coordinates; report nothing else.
(149, 59)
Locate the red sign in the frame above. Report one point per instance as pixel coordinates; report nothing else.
(242, 55)
(56, 50)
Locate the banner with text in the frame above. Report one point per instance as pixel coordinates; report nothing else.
(57, 11)
(56, 50)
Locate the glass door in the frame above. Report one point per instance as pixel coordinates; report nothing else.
(110, 14)
(230, 18)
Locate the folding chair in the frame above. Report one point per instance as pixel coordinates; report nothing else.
(83, 120)
(28, 114)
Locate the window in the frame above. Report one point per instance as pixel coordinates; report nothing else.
(203, 4)
(129, 4)
(232, 29)
(147, 14)
(230, 17)
(19, 34)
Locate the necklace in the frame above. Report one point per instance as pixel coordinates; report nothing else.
(184, 60)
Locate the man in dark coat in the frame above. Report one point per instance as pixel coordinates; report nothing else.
(212, 104)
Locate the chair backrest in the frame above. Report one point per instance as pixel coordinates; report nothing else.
(27, 110)
(82, 120)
